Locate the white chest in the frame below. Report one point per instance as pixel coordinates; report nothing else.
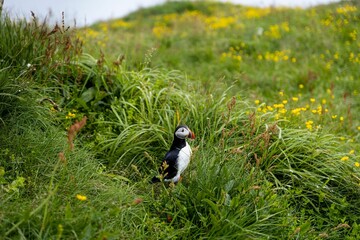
(184, 158)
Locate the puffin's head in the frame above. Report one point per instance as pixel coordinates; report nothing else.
(183, 131)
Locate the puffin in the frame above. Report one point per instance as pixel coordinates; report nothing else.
(177, 158)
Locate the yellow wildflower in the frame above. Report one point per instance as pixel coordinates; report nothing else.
(297, 111)
(353, 35)
(309, 125)
(312, 100)
(279, 105)
(257, 12)
(301, 86)
(341, 119)
(345, 158)
(219, 22)
(357, 164)
(277, 56)
(257, 102)
(352, 151)
(283, 111)
(328, 65)
(70, 115)
(238, 57)
(81, 197)
(120, 24)
(345, 9)
(273, 32)
(161, 31)
(285, 26)
(295, 99)
(334, 116)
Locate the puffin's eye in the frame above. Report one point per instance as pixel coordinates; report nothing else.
(182, 130)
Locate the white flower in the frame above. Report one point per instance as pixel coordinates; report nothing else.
(260, 31)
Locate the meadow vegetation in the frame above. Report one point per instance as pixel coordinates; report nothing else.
(272, 94)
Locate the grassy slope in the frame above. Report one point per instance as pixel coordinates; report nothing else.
(260, 170)
(307, 54)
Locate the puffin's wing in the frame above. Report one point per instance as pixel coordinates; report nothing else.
(169, 166)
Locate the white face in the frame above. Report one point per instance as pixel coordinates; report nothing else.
(182, 133)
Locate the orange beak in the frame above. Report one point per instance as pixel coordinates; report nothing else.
(191, 135)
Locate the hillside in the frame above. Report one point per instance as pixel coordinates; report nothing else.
(272, 95)
(310, 55)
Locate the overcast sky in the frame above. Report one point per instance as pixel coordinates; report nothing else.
(87, 12)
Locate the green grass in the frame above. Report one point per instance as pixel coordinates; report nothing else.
(275, 113)
(259, 52)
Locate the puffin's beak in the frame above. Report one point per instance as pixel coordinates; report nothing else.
(191, 135)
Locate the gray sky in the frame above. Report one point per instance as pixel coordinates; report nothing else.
(87, 12)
